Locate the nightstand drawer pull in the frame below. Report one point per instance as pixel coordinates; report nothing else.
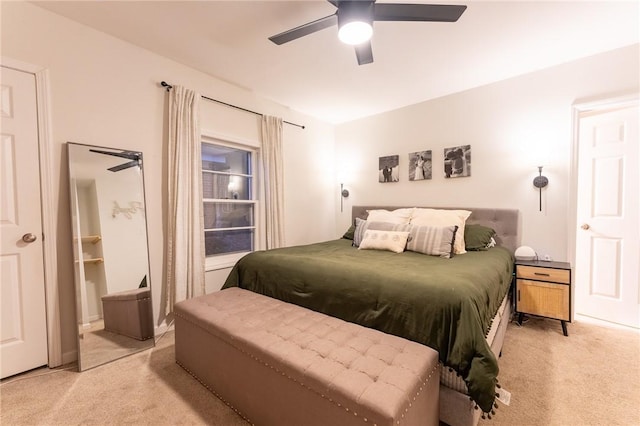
(541, 274)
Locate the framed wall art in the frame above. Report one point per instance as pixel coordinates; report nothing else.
(420, 165)
(388, 169)
(457, 161)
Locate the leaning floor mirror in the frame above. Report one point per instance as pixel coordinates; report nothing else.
(111, 262)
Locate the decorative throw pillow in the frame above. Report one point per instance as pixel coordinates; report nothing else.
(363, 225)
(384, 240)
(478, 237)
(402, 216)
(437, 217)
(350, 232)
(432, 240)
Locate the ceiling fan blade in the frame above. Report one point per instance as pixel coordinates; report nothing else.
(130, 155)
(124, 166)
(417, 12)
(364, 53)
(305, 29)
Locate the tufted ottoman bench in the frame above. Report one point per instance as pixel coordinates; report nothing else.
(129, 313)
(280, 364)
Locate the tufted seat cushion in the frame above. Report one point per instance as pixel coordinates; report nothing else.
(278, 363)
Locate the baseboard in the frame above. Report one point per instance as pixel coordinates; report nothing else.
(69, 357)
(163, 328)
(595, 321)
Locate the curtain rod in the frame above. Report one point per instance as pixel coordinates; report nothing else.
(169, 87)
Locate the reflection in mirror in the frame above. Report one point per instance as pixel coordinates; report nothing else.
(111, 261)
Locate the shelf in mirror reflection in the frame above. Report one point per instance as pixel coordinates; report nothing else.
(93, 239)
(92, 260)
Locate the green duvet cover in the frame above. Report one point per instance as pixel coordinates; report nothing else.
(446, 304)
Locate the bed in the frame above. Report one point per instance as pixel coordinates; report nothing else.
(459, 306)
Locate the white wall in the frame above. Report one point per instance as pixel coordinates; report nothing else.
(512, 126)
(124, 245)
(106, 92)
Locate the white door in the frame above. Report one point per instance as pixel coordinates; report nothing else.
(608, 234)
(23, 338)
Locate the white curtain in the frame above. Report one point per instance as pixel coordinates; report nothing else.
(273, 181)
(185, 230)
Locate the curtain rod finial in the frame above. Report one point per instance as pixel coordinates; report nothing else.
(166, 85)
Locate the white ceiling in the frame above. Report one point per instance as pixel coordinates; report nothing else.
(319, 76)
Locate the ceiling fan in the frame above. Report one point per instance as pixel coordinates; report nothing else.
(134, 156)
(355, 19)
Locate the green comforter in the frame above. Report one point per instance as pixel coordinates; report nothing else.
(446, 304)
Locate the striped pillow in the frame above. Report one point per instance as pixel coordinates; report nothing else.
(363, 225)
(439, 217)
(433, 240)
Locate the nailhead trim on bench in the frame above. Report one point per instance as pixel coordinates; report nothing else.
(424, 381)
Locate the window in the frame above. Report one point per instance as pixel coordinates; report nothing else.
(229, 203)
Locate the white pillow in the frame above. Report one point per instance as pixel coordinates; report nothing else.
(394, 241)
(401, 216)
(432, 240)
(437, 217)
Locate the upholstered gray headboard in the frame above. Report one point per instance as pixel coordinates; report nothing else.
(506, 222)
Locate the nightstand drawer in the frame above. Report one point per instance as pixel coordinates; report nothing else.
(543, 274)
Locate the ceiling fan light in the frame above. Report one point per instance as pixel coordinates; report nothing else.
(355, 32)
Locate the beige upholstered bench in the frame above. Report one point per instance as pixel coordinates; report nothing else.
(280, 364)
(129, 313)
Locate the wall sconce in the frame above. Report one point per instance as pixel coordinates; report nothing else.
(540, 182)
(344, 193)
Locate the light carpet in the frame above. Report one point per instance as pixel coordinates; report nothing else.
(591, 377)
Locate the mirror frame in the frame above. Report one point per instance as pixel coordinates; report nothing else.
(117, 323)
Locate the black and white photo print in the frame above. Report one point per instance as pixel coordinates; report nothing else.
(388, 169)
(457, 161)
(420, 165)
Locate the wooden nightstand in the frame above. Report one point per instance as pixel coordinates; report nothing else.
(544, 289)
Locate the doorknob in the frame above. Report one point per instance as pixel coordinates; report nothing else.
(29, 238)
(585, 226)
